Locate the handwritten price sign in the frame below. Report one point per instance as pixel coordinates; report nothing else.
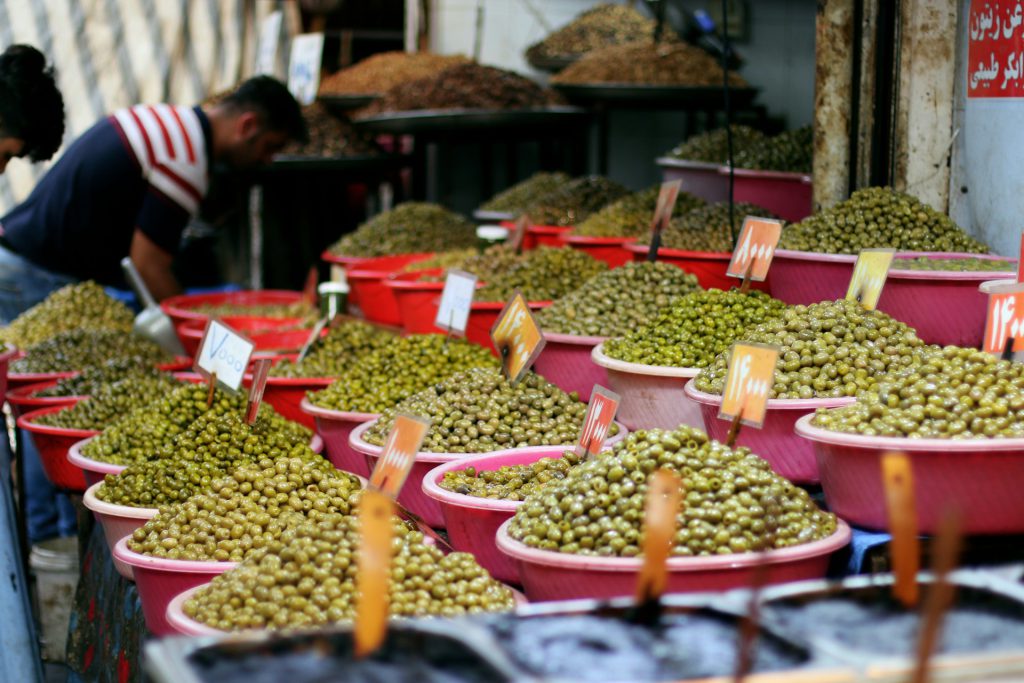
(404, 441)
(456, 300)
(995, 60)
(516, 336)
(749, 382)
(304, 67)
(869, 276)
(755, 248)
(1005, 319)
(224, 354)
(600, 415)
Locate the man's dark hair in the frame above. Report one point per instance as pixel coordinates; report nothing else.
(31, 106)
(269, 98)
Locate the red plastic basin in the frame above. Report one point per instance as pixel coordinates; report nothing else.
(541, 235)
(776, 441)
(417, 301)
(708, 266)
(787, 195)
(611, 250)
(182, 308)
(550, 575)
(565, 362)
(367, 281)
(700, 178)
(95, 470)
(53, 444)
(346, 263)
(979, 477)
(265, 333)
(6, 355)
(286, 394)
(335, 427)
(118, 522)
(22, 401)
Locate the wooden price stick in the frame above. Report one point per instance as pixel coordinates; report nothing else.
(314, 334)
(515, 241)
(941, 594)
(667, 197)
(374, 571)
(260, 372)
(750, 624)
(664, 491)
(898, 479)
(210, 390)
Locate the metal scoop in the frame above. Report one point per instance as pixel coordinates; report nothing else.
(152, 323)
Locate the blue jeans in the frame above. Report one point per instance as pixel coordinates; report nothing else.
(22, 286)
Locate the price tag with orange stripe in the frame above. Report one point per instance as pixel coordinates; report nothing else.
(755, 248)
(748, 382)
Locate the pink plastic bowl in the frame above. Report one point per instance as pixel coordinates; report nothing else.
(473, 522)
(179, 622)
(565, 362)
(980, 477)
(611, 250)
(367, 281)
(270, 335)
(775, 441)
(22, 401)
(787, 195)
(159, 581)
(182, 308)
(550, 575)
(335, 427)
(95, 470)
(53, 444)
(652, 395)
(708, 266)
(699, 178)
(118, 522)
(417, 300)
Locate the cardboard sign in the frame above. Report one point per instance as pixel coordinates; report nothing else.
(373, 577)
(1005, 319)
(404, 441)
(304, 67)
(755, 248)
(898, 480)
(456, 300)
(663, 495)
(748, 382)
(260, 372)
(667, 197)
(266, 44)
(869, 276)
(516, 336)
(223, 353)
(518, 234)
(600, 415)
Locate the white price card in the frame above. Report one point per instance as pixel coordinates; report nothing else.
(456, 300)
(266, 45)
(304, 66)
(224, 354)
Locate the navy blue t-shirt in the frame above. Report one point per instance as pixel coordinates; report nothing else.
(144, 167)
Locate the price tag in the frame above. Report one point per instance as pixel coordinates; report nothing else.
(515, 240)
(266, 44)
(516, 336)
(456, 299)
(373, 577)
(224, 354)
(404, 441)
(260, 372)
(667, 197)
(748, 382)
(898, 479)
(755, 249)
(869, 276)
(600, 415)
(663, 496)
(1005, 319)
(304, 66)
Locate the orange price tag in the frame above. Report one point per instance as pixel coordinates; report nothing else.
(373, 576)
(404, 441)
(1005, 319)
(600, 415)
(516, 336)
(515, 240)
(755, 248)
(749, 382)
(869, 276)
(663, 495)
(898, 480)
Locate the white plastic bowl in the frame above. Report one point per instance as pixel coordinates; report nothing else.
(118, 521)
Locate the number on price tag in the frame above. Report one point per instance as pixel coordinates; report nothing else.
(600, 415)
(260, 372)
(517, 337)
(667, 196)
(266, 46)
(1005, 319)
(225, 353)
(749, 382)
(404, 441)
(755, 248)
(663, 494)
(373, 575)
(304, 67)
(456, 300)
(869, 276)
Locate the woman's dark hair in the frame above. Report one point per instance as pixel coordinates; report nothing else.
(269, 98)
(31, 107)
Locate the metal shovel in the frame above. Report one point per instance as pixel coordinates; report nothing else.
(152, 323)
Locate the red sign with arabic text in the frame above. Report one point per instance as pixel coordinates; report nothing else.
(995, 52)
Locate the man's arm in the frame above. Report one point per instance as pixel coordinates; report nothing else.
(154, 265)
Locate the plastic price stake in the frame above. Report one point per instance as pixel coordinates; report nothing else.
(404, 441)
(314, 334)
(373, 571)
(748, 382)
(304, 66)
(869, 276)
(755, 249)
(266, 45)
(223, 355)
(667, 197)
(515, 240)
(663, 496)
(940, 595)
(600, 414)
(516, 336)
(898, 480)
(260, 371)
(1005, 319)
(456, 300)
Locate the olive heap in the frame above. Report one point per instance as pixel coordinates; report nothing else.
(113, 401)
(618, 301)
(958, 265)
(408, 228)
(509, 482)
(332, 354)
(309, 579)
(496, 258)
(403, 367)
(93, 377)
(878, 217)
(478, 411)
(707, 228)
(631, 216)
(645, 62)
(602, 25)
(246, 511)
(544, 274)
(953, 393)
(712, 147)
(442, 260)
(71, 351)
(298, 309)
(517, 198)
(574, 201)
(827, 350)
(82, 306)
(732, 501)
(695, 329)
(791, 152)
